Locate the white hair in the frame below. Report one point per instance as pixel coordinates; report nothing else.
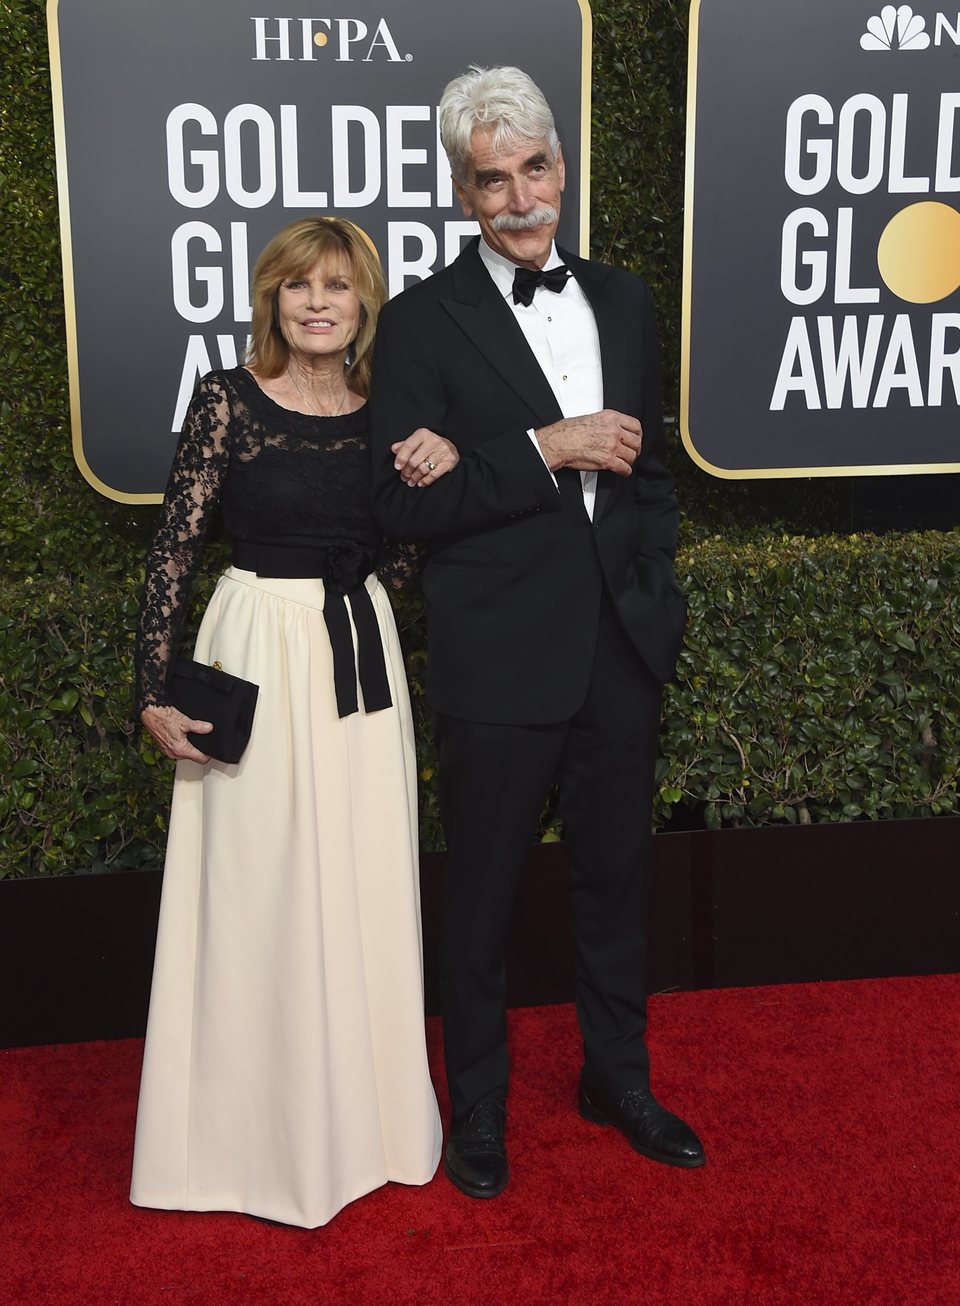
(504, 99)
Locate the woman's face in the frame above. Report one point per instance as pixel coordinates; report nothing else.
(319, 312)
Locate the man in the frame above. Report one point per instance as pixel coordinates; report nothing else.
(554, 617)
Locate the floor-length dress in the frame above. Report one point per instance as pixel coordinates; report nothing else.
(285, 1070)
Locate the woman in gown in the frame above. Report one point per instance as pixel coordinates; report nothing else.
(285, 1070)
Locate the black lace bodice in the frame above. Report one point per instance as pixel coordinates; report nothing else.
(278, 477)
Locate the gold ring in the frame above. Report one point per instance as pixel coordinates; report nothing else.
(430, 465)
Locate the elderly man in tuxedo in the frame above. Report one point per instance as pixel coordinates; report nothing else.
(553, 617)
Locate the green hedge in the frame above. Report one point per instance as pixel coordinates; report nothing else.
(84, 788)
(819, 679)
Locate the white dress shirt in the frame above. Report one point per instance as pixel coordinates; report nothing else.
(562, 332)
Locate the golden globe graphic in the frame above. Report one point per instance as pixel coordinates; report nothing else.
(919, 252)
(180, 155)
(821, 330)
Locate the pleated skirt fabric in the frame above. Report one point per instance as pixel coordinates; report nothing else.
(285, 1071)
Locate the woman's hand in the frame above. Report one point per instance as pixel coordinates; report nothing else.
(169, 727)
(424, 457)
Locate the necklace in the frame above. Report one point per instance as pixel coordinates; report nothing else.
(307, 404)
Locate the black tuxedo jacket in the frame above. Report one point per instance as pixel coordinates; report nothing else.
(516, 568)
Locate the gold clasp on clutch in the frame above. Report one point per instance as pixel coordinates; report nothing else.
(218, 666)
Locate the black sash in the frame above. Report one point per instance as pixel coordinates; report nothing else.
(304, 564)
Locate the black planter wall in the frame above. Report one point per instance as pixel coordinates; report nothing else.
(735, 907)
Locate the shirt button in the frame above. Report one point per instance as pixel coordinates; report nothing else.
(549, 319)
(564, 378)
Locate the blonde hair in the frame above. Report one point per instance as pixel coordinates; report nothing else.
(292, 253)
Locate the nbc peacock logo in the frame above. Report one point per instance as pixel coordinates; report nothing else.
(895, 28)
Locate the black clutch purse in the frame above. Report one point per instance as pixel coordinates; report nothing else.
(212, 694)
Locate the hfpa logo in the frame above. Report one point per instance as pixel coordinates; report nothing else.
(899, 28)
(288, 39)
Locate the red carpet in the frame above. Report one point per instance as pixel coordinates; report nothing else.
(830, 1115)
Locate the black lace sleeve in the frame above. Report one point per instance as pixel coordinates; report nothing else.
(196, 480)
(399, 565)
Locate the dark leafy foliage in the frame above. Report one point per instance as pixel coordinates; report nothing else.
(820, 681)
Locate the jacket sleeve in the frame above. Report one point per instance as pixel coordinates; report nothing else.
(499, 478)
(654, 488)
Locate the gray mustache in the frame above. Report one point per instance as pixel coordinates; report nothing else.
(540, 217)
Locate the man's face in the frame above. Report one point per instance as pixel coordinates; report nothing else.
(515, 197)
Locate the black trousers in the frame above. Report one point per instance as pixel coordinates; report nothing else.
(493, 782)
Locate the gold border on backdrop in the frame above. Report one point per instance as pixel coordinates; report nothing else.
(726, 473)
(66, 241)
(586, 97)
(687, 288)
(66, 254)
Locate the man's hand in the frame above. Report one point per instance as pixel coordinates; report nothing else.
(169, 728)
(607, 441)
(424, 457)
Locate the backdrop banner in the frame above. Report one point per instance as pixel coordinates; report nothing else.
(821, 315)
(188, 134)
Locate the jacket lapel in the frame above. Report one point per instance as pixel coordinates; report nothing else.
(480, 311)
(485, 318)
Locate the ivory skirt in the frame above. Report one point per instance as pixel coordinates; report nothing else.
(285, 1071)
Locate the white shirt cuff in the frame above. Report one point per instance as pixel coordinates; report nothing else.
(536, 445)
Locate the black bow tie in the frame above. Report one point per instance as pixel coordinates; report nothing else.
(526, 280)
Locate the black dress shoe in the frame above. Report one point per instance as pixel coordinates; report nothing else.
(476, 1159)
(648, 1127)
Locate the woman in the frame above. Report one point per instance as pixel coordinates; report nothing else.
(285, 1072)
